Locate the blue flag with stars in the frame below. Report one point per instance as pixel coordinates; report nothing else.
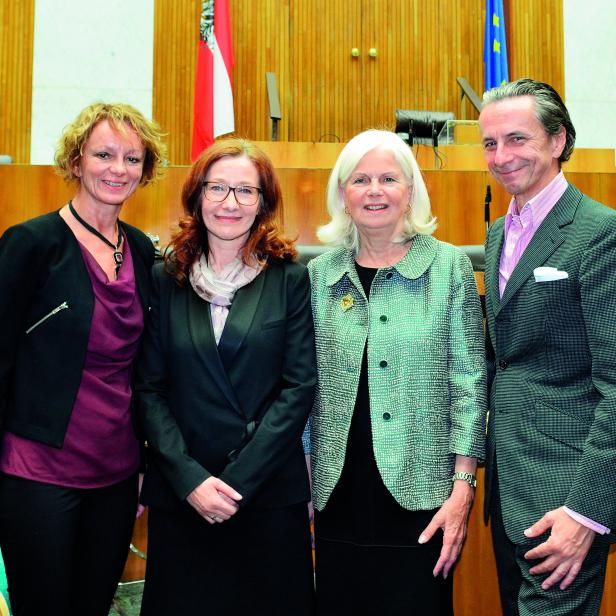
(495, 46)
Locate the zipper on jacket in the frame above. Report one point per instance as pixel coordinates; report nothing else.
(57, 309)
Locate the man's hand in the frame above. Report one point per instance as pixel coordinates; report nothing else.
(563, 552)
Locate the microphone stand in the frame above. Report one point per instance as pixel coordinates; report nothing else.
(486, 210)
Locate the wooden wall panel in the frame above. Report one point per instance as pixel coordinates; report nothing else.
(176, 40)
(304, 202)
(475, 585)
(325, 94)
(261, 44)
(602, 187)
(134, 569)
(535, 41)
(422, 47)
(457, 199)
(608, 604)
(16, 48)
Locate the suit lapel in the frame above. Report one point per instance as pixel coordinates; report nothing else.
(240, 319)
(493, 254)
(202, 334)
(546, 240)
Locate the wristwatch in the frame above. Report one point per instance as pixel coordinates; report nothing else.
(468, 477)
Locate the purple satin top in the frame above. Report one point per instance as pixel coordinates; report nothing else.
(100, 447)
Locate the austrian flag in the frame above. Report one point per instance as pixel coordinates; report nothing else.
(213, 113)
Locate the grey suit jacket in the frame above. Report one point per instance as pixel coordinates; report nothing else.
(552, 369)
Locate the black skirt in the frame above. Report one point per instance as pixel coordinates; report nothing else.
(368, 560)
(258, 562)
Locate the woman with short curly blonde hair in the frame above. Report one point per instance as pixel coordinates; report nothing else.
(120, 116)
(78, 280)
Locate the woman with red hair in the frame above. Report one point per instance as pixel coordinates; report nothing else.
(225, 383)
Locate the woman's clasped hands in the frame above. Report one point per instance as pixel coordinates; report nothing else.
(214, 500)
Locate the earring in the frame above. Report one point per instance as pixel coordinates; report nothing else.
(346, 210)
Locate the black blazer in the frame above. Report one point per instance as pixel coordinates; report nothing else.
(46, 305)
(199, 403)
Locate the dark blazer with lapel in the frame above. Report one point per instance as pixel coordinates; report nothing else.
(41, 268)
(552, 369)
(197, 402)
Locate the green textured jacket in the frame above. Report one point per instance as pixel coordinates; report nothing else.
(426, 369)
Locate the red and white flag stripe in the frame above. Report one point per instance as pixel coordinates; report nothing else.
(213, 109)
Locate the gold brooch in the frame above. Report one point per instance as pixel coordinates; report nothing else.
(346, 302)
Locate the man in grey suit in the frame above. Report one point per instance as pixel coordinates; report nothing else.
(551, 304)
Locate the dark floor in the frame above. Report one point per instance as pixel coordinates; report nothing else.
(127, 600)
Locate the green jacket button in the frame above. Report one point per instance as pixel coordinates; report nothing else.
(383, 318)
(383, 363)
(386, 416)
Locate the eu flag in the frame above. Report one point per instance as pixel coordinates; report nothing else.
(495, 45)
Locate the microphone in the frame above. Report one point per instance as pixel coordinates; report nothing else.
(486, 211)
(434, 135)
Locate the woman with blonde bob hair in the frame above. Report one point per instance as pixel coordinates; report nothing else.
(399, 416)
(75, 289)
(342, 230)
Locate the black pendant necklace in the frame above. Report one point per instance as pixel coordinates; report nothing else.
(118, 255)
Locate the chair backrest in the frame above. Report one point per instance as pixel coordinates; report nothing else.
(476, 254)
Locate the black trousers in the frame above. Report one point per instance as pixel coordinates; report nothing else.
(64, 549)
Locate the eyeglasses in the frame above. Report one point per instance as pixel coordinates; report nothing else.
(219, 191)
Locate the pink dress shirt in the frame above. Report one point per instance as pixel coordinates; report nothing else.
(520, 226)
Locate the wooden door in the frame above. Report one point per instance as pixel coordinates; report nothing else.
(421, 47)
(418, 50)
(325, 77)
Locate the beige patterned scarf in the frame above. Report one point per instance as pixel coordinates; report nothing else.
(219, 288)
